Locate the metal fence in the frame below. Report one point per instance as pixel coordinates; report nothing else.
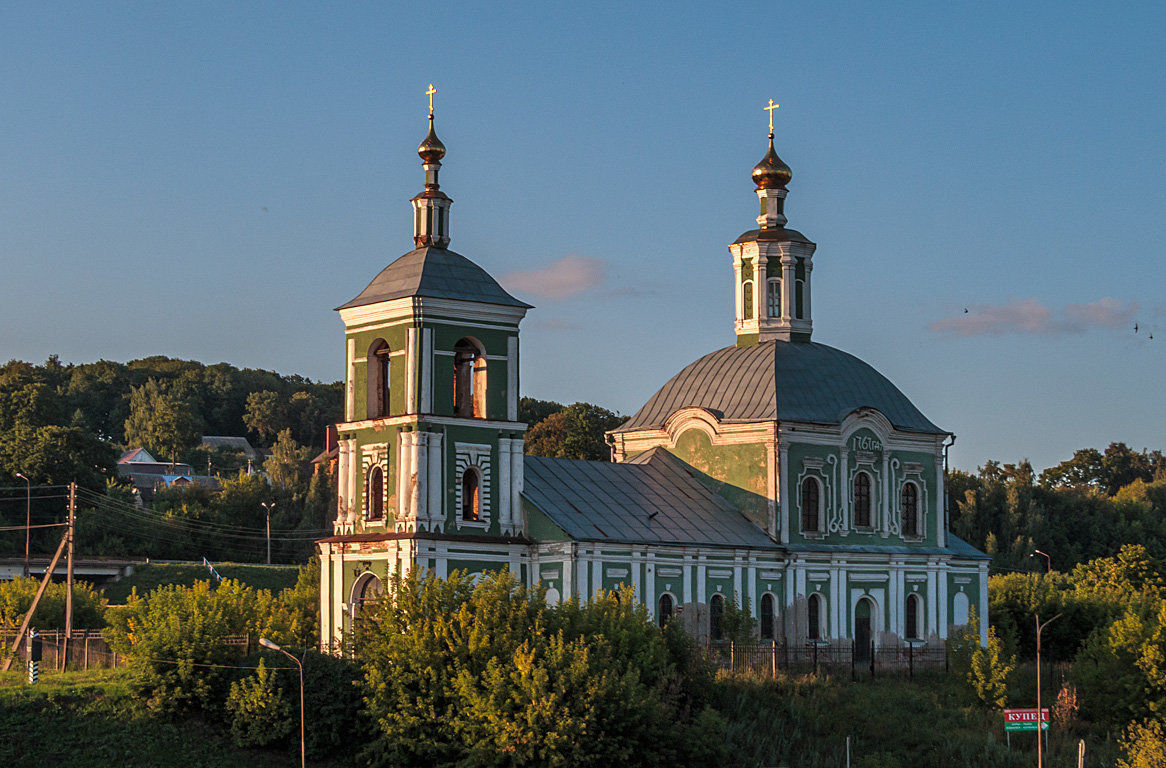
(835, 657)
(87, 649)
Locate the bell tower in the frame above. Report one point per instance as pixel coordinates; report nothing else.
(772, 264)
(431, 442)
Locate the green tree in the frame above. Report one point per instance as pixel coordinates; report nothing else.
(487, 674)
(160, 420)
(283, 466)
(1145, 745)
(990, 671)
(174, 640)
(576, 432)
(259, 714)
(16, 598)
(266, 414)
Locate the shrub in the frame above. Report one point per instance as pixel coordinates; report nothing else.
(16, 598)
(260, 716)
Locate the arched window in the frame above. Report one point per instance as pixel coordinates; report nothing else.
(800, 298)
(773, 297)
(367, 589)
(376, 494)
(377, 380)
(862, 500)
(911, 617)
(471, 496)
(767, 629)
(747, 300)
(814, 617)
(469, 380)
(716, 614)
(910, 510)
(664, 615)
(810, 498)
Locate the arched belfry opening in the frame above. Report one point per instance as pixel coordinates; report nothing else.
(378, 378)
(469, 379)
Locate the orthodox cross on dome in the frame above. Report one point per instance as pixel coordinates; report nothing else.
(433, 90)
(768, 109)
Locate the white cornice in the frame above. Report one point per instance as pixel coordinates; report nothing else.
(424, 308)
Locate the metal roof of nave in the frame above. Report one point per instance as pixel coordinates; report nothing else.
(781, 380)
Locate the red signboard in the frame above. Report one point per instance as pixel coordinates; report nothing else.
(1025, 719)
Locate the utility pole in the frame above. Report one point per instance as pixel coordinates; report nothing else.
(27, 517)
(1039, 712)
(69, 577)
(268, 508)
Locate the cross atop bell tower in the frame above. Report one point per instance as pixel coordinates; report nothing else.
(431, 207)
(772, 264)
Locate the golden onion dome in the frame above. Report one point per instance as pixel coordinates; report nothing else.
(771, 172)
(431, 149)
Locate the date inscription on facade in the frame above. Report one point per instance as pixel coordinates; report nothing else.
(864, 443)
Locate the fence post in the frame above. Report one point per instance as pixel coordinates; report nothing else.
(732, 658)
(872, 658)
(773, 664)
(815, 656)
(910, 661)
(853, 653)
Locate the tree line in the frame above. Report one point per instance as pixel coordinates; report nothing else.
(1083, 508)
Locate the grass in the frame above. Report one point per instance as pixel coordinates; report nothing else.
(804, 721)
(150, 575)
(92, 719)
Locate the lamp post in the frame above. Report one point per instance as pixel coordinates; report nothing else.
(1039, 712)
(272, 646)
(1048, 562)
(27, 518)
(268, 507)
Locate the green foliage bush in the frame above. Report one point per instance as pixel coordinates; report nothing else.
(487, 674)
(174, 640)
(259, 713)
(16, 597)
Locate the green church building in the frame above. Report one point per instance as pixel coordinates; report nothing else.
(777, 472)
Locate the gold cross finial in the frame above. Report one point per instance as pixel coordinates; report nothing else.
(768, 109)
(433, 90)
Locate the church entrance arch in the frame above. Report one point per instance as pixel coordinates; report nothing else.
(367, 589)
(862, 631)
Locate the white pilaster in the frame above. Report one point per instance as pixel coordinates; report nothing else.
(436, 512)
(783, 470)
(504, 485)
(517, 520)
(411, 371)
(941, 497)
(944, 612)
(426, 370)
(350, 388)
(420, 479)
(932, 599)
(404, 470)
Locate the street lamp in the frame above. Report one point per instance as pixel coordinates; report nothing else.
(1039, 712)
(1048, 562)
(272, 646)
(27, 518)
(268, 507)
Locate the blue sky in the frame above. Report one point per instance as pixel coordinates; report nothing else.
(209, 180)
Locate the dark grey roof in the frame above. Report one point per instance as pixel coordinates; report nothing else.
(435, 273)
(780, 380)
(600, 501)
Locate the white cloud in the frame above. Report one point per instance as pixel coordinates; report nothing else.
(1032, 317)
(564, 277)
